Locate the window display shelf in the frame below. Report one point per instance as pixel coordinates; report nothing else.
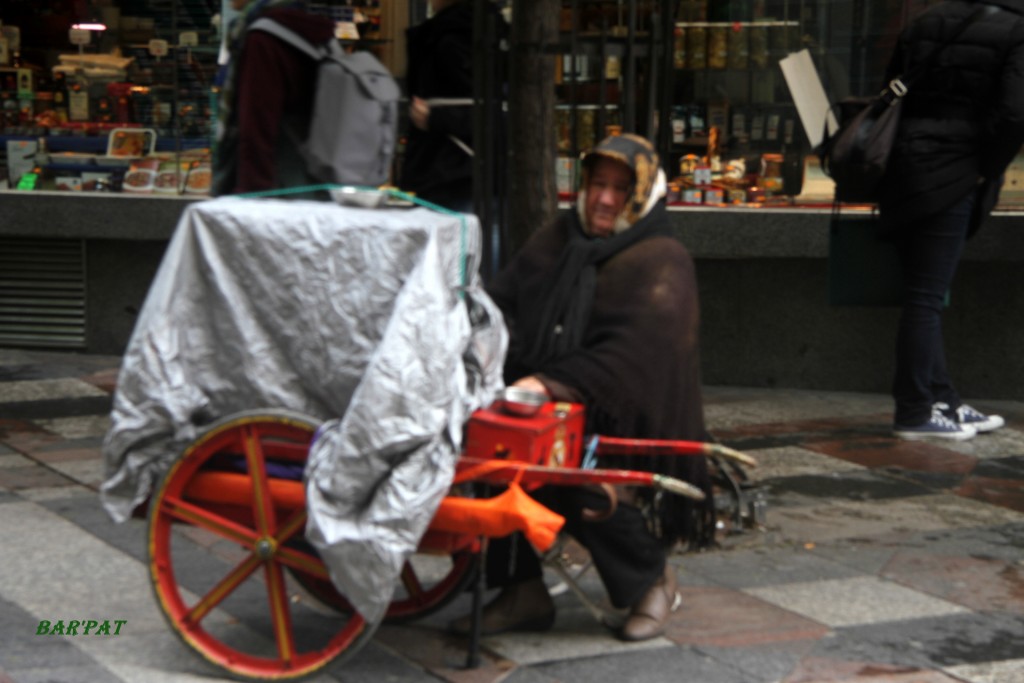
(153, 67)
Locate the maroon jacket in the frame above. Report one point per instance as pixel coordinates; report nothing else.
(275, 81)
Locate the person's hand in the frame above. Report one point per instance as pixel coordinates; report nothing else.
(531, 383)
(419, 113)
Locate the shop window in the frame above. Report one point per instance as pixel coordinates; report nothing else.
(118, 95)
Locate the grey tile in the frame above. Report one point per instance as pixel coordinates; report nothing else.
(91, 425)
(666, 665)
(862, 485)
(765, 567)
(1011, 467)
(856, 601)
(530, 674)
(866, 555)
(374, 663)
(24, 649)
(998, 542)
(94, 441)
(82, 508)
(790, 461)
(44, 494)
(14, 357)
(14, 460)
(729, 407)
(570, 639)
(29, 365)
(90, 673)
(87, 472)
(762, 663)
(77, 574)
(1007, 671)
(44, 389)
(157, 657)
(831, 520)
(43, 409)
(940, 642)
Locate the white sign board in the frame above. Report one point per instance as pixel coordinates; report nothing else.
(808, 96)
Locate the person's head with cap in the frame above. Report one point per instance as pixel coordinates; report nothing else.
(621, 182)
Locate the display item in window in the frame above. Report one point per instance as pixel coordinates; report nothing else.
(758, 45)
(718, 46)
(586, 126)
(738, 46)
(679, 48)
(697, 46)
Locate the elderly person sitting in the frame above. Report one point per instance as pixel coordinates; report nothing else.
(602, 310)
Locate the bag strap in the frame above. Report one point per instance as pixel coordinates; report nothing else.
(287, 35)
(900, 86)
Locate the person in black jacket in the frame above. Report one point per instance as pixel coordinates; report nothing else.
(438, 161)
(603, 309)
(962, 124)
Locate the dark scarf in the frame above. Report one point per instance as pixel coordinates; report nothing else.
(557, 327)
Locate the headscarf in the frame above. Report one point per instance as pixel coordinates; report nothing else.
(557, 327)
(649, 183)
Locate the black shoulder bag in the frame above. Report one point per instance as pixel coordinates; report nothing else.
(856, 155)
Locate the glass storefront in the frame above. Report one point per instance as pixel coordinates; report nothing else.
(117, 95)
(707, 84)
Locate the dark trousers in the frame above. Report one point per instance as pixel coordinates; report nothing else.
(930, 250)
(627, 556)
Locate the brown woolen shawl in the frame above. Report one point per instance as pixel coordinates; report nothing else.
(636, 366)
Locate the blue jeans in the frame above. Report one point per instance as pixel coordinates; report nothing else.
(930, 250)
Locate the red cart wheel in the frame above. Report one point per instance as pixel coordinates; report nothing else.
(428, 582)
(232, 493)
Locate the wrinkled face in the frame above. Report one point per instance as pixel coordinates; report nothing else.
(608, 190)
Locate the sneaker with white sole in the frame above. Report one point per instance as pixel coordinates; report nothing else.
(937, 427)
(966, 415)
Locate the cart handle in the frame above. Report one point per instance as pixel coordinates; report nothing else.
(610, 445)
(504, 471)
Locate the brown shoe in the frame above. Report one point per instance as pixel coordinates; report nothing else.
(648, 616)
(521, 607)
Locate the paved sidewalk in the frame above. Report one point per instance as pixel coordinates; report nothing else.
(880, 560)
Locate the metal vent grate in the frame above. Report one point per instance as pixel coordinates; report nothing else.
(42, 293)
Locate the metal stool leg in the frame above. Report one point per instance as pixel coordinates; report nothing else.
(554, 560)
(477, 610)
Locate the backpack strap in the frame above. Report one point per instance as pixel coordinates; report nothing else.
(287, 35)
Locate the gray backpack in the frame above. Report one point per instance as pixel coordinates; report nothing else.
(353, 129)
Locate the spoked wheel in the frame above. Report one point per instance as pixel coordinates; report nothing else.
(221, 532)
(429, 581)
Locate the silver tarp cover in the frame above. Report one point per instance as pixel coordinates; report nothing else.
(352, 316)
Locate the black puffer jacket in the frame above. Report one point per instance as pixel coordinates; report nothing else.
(964, 119)
(440, 65)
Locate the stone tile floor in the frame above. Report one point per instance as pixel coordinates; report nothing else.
(879, 560)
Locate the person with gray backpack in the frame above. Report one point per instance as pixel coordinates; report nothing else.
(296, 111)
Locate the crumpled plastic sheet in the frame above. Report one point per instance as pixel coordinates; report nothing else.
(357, 317)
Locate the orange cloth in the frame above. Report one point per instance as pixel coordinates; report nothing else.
(512, 510)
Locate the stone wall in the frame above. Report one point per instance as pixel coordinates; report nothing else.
(767, 321)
